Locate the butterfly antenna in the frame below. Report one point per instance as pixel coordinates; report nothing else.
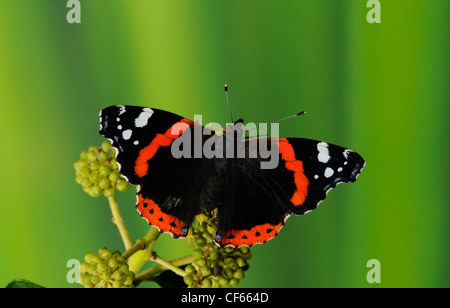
(285, 118)
(228, 103)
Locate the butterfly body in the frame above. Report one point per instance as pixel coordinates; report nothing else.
(182, 168)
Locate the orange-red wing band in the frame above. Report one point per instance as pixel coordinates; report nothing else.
(296, 166)
(164, 222)
(256, 235)
(160, 140)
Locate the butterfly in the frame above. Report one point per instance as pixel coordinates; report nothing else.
(158, 151)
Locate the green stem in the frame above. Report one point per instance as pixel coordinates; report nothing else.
(167, 264)
(138, 257)
(151, 272)
(120, 223)
(151, 237)
(139, 245)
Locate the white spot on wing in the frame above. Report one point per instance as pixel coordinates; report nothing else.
(126, 134)
(328, 172)
(346, 153)
(324, 154)
(143, 117)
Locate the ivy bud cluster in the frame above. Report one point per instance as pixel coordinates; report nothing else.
(214, 267)
(105, 269)
(98, 173)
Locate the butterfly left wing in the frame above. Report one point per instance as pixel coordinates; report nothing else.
(130, 129)
(263, 199)
(168, 188)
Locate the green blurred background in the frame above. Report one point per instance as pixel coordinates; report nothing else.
(380, 89)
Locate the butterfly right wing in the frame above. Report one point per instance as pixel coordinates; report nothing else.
(260, 200)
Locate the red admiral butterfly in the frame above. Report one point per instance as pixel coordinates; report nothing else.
(252, 203)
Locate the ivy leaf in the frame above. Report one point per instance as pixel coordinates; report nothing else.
(22, 283)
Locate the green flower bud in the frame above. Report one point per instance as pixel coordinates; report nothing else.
(233, 282)
(188, 279)
(205, 270)
(82, 163)
(86, 183)
(189, 269)
(104, 183)
(199, 262)
(84, 173)
(95, 191)
(129, 278)
(118, 275)
(228, 272)
(113, 263)
(200, 241)
(104, 170)
(91, 155)
(215, 283)
(123, 268)
(105, 253)
(102, 156)
(122, 185)
(238, 274)
(215, 269)
(102, 266)
(229, 261)
(106, 276)
(109, 192)
(114, 164)
(85, 279)
(95, 279)
(207, 283)
(114, 176)
(84, 267)
(91, 257)
(224, 282)
(91, 268)
(79, 180)
(197, 253)
(215, 255)
(94, 177)
(244, 250)
(229, 249)
(241, 262)
(120, 258)
(106, 146)
(116, 253)
(95, 165)
(117, 284)
(83, 155)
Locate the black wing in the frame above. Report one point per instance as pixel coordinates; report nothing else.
(257, 202)
(169, 193)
